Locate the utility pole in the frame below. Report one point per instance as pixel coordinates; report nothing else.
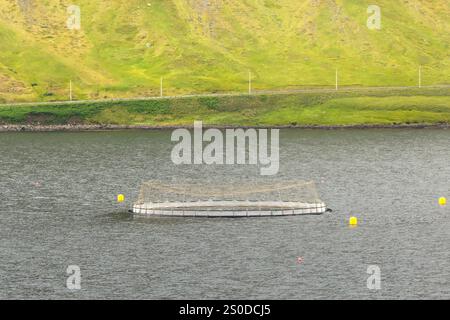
(70, 90)
(161, 88)
(249, 82)
(420, 76)
(336, 79)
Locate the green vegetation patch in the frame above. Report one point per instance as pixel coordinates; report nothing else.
(330, 108)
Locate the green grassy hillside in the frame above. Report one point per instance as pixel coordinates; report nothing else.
(351, 107)
(124, 47)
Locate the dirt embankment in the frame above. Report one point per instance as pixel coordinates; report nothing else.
(99, 127)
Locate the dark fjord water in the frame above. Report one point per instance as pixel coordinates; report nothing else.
(58, 208)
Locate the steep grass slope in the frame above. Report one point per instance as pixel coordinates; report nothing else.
(124, 47)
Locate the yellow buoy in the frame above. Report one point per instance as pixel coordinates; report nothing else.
(120, 198)
(353, 221)
(442, 201)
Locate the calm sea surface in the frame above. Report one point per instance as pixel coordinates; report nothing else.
(57, 208)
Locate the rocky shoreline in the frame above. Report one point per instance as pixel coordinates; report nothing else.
(110, 127)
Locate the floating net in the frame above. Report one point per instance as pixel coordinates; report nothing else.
(249, 199)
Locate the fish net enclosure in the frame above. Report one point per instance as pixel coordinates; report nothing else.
(247, 199)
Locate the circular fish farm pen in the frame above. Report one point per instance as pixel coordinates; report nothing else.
(249, 200)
